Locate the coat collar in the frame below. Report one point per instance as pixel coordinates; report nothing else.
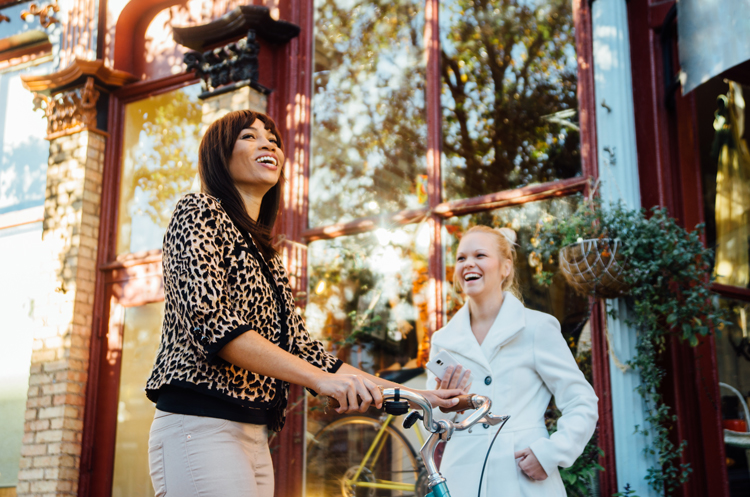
(457, 337)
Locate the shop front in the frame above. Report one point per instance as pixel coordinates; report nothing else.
(405, 123)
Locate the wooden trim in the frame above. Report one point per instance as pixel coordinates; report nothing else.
(77, 71)
(731, 292)
(436, 268)
(586, 93)
(102, 389)
(289, 104)
(133, 259)
(25, 54)
(22, 217)
(670, 177)
(600, 370)
(590, 169)
(512, 197)
(452, 208)
(364, 225)
(144, 89)
(234, 24)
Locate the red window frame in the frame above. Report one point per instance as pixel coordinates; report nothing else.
(290, 106)
(303, 10)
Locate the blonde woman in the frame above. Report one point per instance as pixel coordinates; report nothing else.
(519, 358)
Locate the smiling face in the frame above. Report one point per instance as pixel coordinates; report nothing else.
(480, 269)
(257, 160)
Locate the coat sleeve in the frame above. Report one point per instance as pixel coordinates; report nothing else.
(574, 396)
(194, 260)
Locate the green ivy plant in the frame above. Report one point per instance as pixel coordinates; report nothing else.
(668, 271)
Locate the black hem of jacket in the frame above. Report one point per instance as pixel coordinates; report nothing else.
(153, 395)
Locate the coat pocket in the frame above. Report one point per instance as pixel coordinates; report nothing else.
(157, 470)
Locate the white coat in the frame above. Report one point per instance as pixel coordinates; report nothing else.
(521, 363)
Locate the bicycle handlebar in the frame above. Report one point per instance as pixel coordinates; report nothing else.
(442, 430)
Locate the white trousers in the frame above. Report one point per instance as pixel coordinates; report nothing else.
(195, 456)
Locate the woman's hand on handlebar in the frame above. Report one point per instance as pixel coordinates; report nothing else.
(346, 387)
(441, 398)
(455, 378)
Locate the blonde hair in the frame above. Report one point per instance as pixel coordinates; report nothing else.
(506, 241)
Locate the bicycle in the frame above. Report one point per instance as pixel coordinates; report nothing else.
(362, 456)
(440, 431)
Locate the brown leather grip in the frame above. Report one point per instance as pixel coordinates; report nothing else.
(464, 403)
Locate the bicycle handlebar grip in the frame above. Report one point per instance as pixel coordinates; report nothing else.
(332, 403)
(464, 404)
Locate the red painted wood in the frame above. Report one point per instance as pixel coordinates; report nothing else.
(290, 107)
(669, 169)
(600, 369)
(586, 93)
(590, 168)
(100, 419)
(90, 481)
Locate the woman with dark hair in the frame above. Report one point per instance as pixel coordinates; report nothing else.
(231, 340)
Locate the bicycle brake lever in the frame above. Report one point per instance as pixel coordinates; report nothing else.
(493, 420)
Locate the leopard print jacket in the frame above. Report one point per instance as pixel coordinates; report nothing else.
(215, 290)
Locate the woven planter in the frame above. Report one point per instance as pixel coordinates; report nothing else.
(594, 267)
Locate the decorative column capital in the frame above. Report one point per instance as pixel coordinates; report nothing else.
(69, 97)
(231, 66)
(69, 112)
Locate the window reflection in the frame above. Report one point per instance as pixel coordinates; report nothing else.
(141, 334)
(509, 106)
(558, 299)
(725, 165)
(368, 296)
(733, 360)
(369, 129)
(159, 165)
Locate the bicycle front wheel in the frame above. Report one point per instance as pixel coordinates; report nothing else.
(335, 461)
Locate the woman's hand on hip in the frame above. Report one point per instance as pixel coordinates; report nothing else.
(346, 387)
(529, 464)
(455, 378)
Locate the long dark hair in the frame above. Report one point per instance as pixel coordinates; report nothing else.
(213, 167)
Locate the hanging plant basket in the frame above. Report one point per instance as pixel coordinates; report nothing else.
(594, 267)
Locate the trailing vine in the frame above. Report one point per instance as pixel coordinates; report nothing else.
(668, 271)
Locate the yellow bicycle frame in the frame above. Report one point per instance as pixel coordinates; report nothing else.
(377, 447)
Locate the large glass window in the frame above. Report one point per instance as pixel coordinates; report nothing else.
(725, 173)
(506, 112)
(140, 340)
(370, 136)
(159, 165)
(508, 95)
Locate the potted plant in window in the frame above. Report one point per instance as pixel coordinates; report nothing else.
(664, 273)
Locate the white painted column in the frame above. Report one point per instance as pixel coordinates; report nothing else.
(618, 172)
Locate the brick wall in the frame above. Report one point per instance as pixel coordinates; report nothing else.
(50, 455)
